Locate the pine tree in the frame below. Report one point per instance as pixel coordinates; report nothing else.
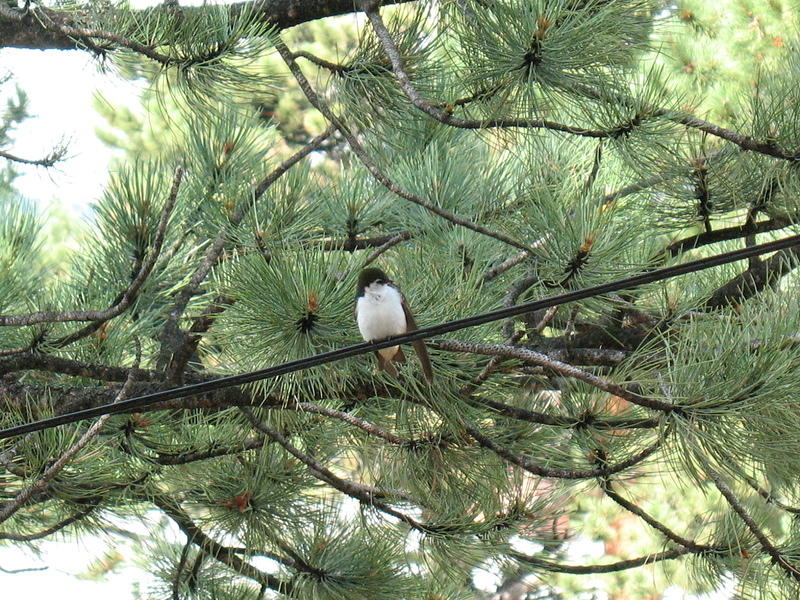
(484, 153)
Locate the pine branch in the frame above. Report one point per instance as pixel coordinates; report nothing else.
(345, 417)
(370, 7)
(55, 364)
(20, 537)
(742, 141)
(172, 339)
(766, 545)
(537, 358)
(87, 36)
(217, 551)
(200, 325)
(179, 568)
(534, 468)
(379, 176)
(504, 266)
(127, 297)
(184, 458)
(8, 509)
(350, 245)
(656, 524)
(47, 161)
(398, 239)
(577, 422)
(366, 495)
(728, 233)
(756, 278)
(768, 497)
(24, 570)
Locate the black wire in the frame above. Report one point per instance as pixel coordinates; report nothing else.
(138, 402)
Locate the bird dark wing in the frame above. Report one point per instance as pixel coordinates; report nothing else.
(419, 345)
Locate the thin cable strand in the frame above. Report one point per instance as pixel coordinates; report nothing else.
(426, 332)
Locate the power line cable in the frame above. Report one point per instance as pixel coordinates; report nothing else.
(139, 402)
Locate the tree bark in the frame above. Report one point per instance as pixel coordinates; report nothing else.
(27, 31)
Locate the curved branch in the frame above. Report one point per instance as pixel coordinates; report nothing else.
(393, 53)
(621, 565)
(366, 495)
(537, 358)
(535, 469)
(20, 537)
(766, 545)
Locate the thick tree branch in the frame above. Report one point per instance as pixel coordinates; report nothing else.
(728, 233)
(54, 364)
(760, 275)
(28, 30)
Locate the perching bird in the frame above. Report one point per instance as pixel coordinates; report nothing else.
(381, 312)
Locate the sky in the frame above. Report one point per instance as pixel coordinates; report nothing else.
(61, 85)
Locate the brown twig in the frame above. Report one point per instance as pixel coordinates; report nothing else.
(537, 358)
(47, 161)
(621, 565)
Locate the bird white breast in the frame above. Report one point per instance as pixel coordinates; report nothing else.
(379, 312)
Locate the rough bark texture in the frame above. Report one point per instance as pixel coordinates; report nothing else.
(28, 32)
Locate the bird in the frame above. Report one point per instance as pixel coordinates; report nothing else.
(381, 312)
